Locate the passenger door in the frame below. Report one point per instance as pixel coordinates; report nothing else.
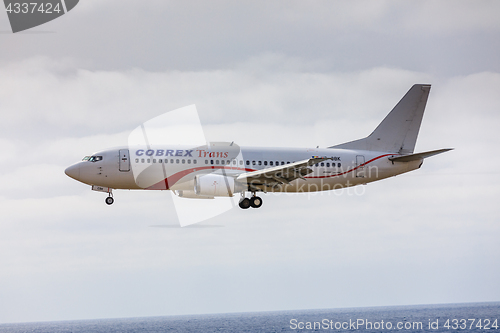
(124, 163)
(360, 167)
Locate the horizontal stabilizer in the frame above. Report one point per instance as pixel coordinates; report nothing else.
(419, 156)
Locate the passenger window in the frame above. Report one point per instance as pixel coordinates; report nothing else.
(271, 163)
(136, 160)
(327, 164)
(216, 161)
(282, 163)
(260, 162)
(265, 162)
(195, 161)
(183, 161)
(154, 160)
(287, 162)
(338, 165)
(228, 162)
(160, 161)
(149, 160)
(177, 161)
(206, 161)
(322, 163)
(212, 162)
(248, 162)
(189, 161)
(172, 161)
(234, 162)
(253, 162)
(142, 160)
(241, 162)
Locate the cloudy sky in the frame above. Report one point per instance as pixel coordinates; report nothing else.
(281, 73)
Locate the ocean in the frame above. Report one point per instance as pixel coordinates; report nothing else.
(465, 317)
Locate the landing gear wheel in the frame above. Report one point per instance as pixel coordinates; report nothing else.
(255, 202)
(244, 203)
(110, 200)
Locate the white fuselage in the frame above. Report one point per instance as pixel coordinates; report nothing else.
(175, 167)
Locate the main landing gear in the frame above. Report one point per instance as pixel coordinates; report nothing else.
(254, 201)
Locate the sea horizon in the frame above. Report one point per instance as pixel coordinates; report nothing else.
(227, 320)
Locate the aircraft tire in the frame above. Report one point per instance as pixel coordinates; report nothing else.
(244, 203)
(109, 200)
(255, 202)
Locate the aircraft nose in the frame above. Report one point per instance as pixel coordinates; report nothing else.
(73, 171)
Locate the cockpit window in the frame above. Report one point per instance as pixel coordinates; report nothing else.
(92, 158)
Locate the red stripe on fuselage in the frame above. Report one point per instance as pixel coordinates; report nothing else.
(172, 180)
(343, 173)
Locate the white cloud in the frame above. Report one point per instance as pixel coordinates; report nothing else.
(446, 17)
(442, 16)
(434, 37)
(42, 99)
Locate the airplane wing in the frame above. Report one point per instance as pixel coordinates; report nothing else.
(282, 174)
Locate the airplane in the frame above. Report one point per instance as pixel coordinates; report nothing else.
(223, 169)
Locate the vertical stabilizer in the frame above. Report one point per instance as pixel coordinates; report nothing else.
(398, 132)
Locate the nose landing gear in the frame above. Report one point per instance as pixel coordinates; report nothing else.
(254, 201)
(109, 200)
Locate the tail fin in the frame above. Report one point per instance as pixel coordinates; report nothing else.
(398, 132)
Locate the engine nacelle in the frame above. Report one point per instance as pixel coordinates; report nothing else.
(215, 185)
